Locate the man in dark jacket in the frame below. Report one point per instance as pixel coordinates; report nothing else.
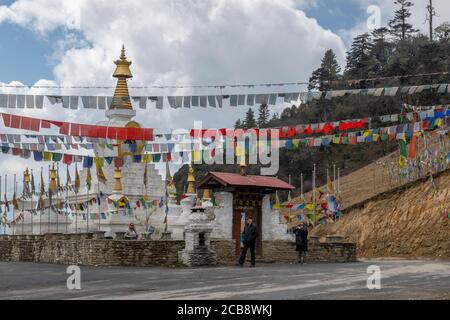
(301, 241)
(249, 240)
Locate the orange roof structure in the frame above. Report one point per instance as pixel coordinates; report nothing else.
(222, 179)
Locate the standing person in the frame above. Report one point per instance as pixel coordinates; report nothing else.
(131, 233)
(249, 240)
(301, 241)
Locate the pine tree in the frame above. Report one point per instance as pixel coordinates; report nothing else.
(359, 56)
(399, 24)
(329, 71)
(238, 124)
(250, 121)
(263, 117)
(380, 35)
(274, 120)
(443, 32)
(381, 51)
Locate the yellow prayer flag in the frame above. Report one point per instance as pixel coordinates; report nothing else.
(77, 179)
(47, 156)
(147, 158)
(196, 156)
(402, 162)
(330, 186)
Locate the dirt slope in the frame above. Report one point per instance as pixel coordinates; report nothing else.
(405, 222)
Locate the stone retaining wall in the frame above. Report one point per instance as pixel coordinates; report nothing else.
(333, 252)
(84, 250)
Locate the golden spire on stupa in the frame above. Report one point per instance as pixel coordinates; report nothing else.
(121, 99)
(53, 176)
(191, 181)
(118, 180)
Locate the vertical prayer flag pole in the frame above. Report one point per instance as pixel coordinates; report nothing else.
(328, 180)
(14, 206)
(339, 182)
(166, 222)
(1, 211)
(334, 178)
(99, 204)
(314, 195)
(88, 209)
(77, 178)
(99, 207)
(5, 214)
(6, 191)
(31, 206)
(290, 198)
(76, 211)
(49, 198)
(301, 185)
(146, 195)
(66, 202)
(23, 204)
(41, 200)
(57, 198)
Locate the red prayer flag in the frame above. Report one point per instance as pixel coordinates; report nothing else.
(308, 130)
(68, 159)
(121, 133)
(74, 130)
(283, 133)
(84, 130)
(15, 122)
(112, 133)
(26, 123)
(147, 134)
(118, 162)
(101, 132)
(45, 124)
(57, 123)
(292, 132)
(93, 131)
(35, 125)
(328, 128)
(134, 134)
(6, 119)
(64, 129)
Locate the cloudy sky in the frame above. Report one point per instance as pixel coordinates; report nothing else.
(176, 42)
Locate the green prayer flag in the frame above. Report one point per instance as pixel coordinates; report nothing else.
(403, 148)
(57, 157)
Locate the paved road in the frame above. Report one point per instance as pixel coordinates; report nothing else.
(400, 280)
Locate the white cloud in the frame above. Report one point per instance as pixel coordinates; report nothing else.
(177, 42)
(182, 42)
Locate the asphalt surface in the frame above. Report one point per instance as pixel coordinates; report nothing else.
(400, 280)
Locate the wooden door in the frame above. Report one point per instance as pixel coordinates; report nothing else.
(242, 209)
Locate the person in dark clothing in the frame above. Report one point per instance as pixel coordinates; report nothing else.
(301, 241)
(249, 240)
